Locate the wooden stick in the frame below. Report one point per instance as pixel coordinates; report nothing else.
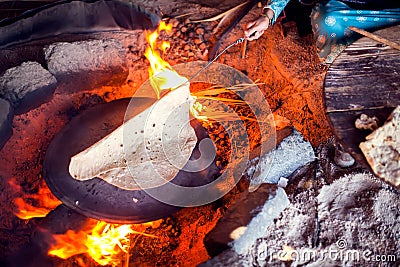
(244, 47)
(128, 252)
(126, 262)
(376, 37)
(223, 14)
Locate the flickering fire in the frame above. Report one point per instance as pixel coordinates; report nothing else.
(102, 241)
(163, 77)
(44, 202)
(161, 74)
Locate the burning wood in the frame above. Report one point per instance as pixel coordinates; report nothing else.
(103, 242)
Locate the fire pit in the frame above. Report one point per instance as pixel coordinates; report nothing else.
(77, 87)
(79, 71)
(88, 128)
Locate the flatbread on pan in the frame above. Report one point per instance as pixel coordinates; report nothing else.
(147, 151)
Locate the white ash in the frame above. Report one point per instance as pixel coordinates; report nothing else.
(93, 55)
(292, 153)
(357, 209)
(17, 82)
(362, 210)
(341, 196)
(294, 226)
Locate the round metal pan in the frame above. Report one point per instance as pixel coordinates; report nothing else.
(96, 198)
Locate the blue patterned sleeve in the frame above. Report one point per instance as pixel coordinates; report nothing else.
(277, 6)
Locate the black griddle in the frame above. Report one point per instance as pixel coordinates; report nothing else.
(96, 198)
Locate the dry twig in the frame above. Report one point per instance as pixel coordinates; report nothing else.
(376, 37)
(244, 47)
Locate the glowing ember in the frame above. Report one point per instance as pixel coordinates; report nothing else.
(102, 241)
(44, 203)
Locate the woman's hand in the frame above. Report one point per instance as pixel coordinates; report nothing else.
(256, 28)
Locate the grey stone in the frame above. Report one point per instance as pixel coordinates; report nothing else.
(291, 154)
(87, 63)
(246, 220)
(6, 115)
(227, 258)
(264, 216)
(27, 85)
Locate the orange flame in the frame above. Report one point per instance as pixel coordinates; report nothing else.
(44, 200)
(162, 76)
(102, 241)
(157, 64)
